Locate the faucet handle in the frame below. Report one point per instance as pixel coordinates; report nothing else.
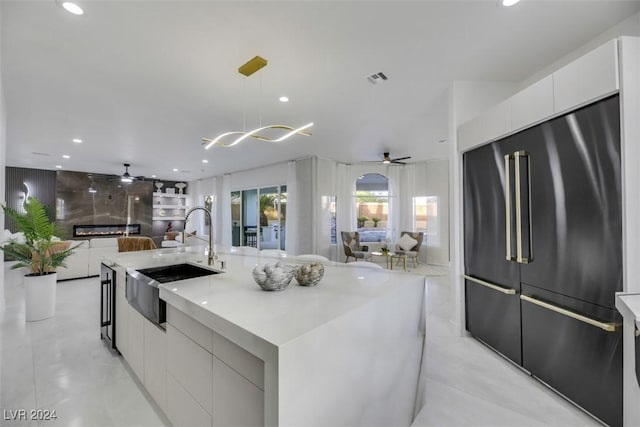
(223, 264)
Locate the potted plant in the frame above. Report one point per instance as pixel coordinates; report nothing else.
(375, 220)
(41, 252)
(361, 220)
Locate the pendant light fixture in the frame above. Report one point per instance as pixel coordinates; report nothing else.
(247, 69)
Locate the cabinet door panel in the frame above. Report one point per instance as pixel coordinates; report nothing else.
(236, 401)
(576, 217)
(135, 344)
(122, 322)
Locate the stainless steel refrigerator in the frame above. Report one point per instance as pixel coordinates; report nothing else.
(543, 253)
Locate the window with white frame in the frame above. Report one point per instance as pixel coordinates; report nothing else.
(372, 207)
(425, 218)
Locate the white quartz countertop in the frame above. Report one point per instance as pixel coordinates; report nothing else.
(232, 302)
(629, 305)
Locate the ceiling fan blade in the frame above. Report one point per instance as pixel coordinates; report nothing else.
(401, 158)
(394, 162)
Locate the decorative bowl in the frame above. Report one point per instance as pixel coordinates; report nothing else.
(273, 277)
(309, 274)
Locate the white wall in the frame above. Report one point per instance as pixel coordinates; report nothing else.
(467, 100)
(627, 27)
(3, 134)
(432, 179)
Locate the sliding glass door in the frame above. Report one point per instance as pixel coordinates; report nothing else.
(258, 217)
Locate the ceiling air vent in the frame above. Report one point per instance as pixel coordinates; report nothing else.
(40, 154)
(377, 78)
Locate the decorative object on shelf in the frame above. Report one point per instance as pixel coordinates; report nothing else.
(170, 190)
(40, 251)
(162, 212)
(273, 277)
(247, 69)
(180, 186)
(309, 274)
(159, 185)
(169, 227)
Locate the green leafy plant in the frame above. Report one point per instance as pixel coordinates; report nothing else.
(361, 220)
(375, 220)
(42, 252)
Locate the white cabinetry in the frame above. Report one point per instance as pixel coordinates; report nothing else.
(135, 343)
(236, 400)
(221, 383)
(169, 207)
(122, 316)
(532, 104)
(588, 78)
(155, 363)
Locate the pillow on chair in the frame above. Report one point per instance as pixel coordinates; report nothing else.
(406, 242)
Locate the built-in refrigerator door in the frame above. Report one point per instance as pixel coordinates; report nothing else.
(573, 164)
(486, 247)
(492, 284)
(576, 348)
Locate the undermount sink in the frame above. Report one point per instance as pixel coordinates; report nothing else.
(172, 273)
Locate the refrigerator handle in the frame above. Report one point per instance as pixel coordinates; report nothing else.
(606, 326)
(506, 291)
(519, 255)
(507, 205)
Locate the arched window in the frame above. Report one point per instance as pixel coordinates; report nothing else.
(372, 207)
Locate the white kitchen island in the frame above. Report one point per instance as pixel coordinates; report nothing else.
(346, 352)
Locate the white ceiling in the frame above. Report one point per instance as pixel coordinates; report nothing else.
(141, 82)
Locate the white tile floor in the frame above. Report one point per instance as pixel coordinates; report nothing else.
(61, 364)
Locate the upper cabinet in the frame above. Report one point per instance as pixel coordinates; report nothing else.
(588, 78)
(532, 104)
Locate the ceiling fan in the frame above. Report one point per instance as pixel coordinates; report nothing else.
(126, 177)
(386, 159)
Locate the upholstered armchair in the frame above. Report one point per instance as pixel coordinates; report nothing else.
(410, 245)
(352, 247)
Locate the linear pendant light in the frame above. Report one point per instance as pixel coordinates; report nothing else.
(255, 64)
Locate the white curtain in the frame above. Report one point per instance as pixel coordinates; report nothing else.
(394, 174)
(407, 191)
(224, 209)
(291, 246)
(345, 209)
(402, 185)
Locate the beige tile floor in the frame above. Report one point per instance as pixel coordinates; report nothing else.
(61, 364)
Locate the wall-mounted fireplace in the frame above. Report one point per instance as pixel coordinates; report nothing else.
(95, 230)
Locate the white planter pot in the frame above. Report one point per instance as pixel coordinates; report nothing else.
(40, 296)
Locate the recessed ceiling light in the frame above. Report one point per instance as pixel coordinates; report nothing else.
(58, 167)
(77, 141)
(72, 8)
(175, 170)
(153, 176)
(205, 161)
(66, 156)
(508, 3)
(283, 99)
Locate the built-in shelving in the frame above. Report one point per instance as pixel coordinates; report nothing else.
(169, 207)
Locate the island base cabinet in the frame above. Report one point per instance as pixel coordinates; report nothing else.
(122, 321)
(135, 342)
(182, 409)
(155, 363)
(191, 366)
(236, 401)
